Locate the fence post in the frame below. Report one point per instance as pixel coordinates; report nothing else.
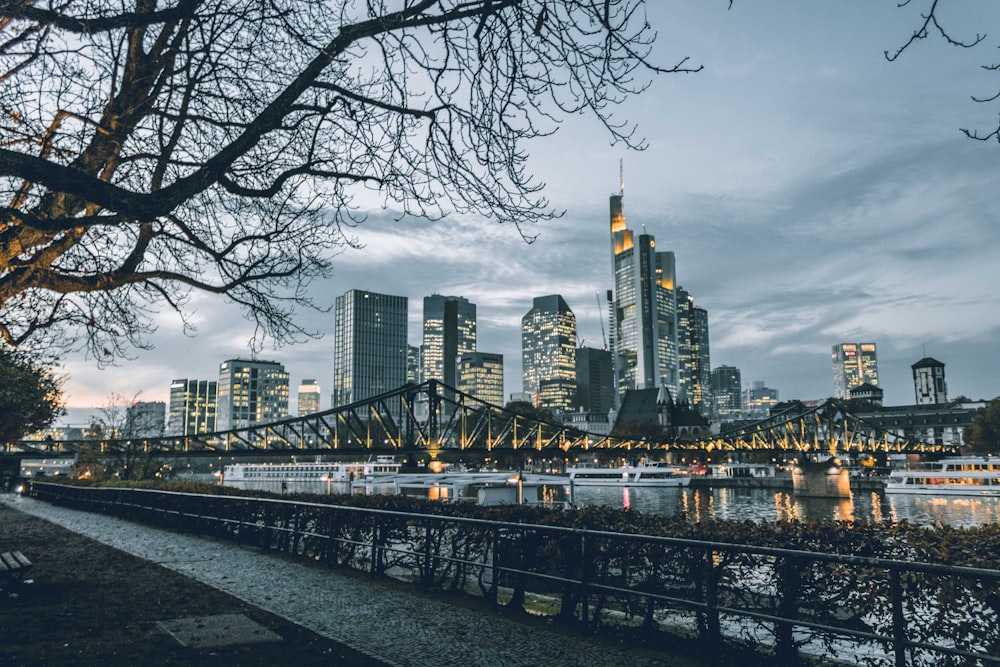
(584, 585)
(428, 572)
(241, 514)
(898, 622)
(495, 567)
(374, 567)
(789, 583)
(265, 530)
(712, 625)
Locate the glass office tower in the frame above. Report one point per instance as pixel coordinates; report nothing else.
(449, 333)
(250, 392)
(369, 346)
(644, 327)
(854, 364)
(192, 407)
(548, 353)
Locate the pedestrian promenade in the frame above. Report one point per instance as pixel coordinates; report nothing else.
(387, 622)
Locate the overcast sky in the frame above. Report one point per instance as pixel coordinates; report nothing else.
(812, 192)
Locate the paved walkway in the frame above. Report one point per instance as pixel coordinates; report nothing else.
(395, 626)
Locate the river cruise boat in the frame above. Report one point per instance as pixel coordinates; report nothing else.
(964, 476)
(645, 474)
(484, 488)
(315, 471)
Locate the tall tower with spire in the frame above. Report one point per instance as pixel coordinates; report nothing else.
(644, 316)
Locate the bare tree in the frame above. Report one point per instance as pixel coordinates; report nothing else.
(151, 148)
(120, 445)
(932, 25)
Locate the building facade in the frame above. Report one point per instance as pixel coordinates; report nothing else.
(250, 392)
(145, 419)
(693, 348)
(192, 407)
(644, 317)
(758, 401)
(726, 393)
(370, 345)
(449, 333)
(854, 364)
(548, 353)
(309, 397)
(929, 386)
(480, 374)
(935, 423)
(595, 381)
(414, 373)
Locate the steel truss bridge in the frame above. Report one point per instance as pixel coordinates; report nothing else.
(435, 418)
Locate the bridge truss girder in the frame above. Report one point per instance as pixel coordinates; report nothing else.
(434, 417)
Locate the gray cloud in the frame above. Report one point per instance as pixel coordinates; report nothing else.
(812, 193)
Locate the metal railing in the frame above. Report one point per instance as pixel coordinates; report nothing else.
(776, 606)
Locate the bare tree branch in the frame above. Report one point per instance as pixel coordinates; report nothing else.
(931, 21)
(155, 147)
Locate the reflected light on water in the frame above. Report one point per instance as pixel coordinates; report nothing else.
(760, 504)
(784, 508)
(780, 505)
(876, 504)
(843, 509)
(699, 505)
(947, 510)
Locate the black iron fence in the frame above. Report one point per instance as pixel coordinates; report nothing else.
(764, 605)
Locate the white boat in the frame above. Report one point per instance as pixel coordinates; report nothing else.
(317, 471)
(960, 475)
(645, 474)
(484, 488)
(743, 470)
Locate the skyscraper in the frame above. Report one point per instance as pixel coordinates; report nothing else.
(854, 364)
(480, 374)
(595, 381)
(370, 348)
(414, 374)
(192, 407)
(449, 333)
(758, 400)
(548, 353)
(251, 392)
(726, 388)
(644, 326)
(693, 347)
(666, 332)
(309, 398)
(929, 386)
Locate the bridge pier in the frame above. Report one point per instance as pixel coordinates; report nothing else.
(821, 479)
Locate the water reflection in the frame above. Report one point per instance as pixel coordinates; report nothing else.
(780, 505)
(756, 504)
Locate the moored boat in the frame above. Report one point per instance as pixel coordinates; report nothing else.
(960, 475)
(310, 471)
(484, 488)
(651, 473)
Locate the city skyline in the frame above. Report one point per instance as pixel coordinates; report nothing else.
(811, 194)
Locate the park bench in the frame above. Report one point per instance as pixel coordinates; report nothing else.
(13, 566)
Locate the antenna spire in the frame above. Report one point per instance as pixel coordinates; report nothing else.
(621, 177)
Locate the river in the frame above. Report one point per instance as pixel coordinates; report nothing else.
(742, 504)
(780, 505)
